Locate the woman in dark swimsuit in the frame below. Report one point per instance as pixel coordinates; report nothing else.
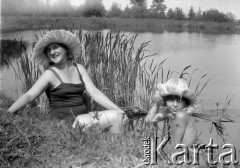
(65, 82)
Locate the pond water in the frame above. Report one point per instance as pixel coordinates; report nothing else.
(216, 55)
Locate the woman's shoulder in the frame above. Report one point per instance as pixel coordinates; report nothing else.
(47, 74)
(45, 77)
(81, 68)
(79, 65)
(48, 71)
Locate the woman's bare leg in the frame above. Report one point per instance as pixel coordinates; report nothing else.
(111, 119)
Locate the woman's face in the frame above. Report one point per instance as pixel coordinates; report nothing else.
(56, 53)
(175, 104)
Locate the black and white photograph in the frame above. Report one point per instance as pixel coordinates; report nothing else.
(120, 84)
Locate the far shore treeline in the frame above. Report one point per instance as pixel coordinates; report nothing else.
(137, 9)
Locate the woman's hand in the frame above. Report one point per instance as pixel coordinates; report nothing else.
(124, 116)
(5, 115)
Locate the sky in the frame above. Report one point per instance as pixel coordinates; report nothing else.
(222, 5)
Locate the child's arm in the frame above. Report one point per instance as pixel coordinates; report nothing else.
(155, 116)
(152, 113)
(165, 113)
(158, 117)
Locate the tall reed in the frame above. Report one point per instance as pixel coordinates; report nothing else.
(113, 62)
(28, 72)
(10, 51)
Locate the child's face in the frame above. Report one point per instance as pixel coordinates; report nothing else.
(175, 104)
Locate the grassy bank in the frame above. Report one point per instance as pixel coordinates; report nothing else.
(115, 24)
(32, 140)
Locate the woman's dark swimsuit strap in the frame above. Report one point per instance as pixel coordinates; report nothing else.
(55, 73)
(79, 73)
(59, 78)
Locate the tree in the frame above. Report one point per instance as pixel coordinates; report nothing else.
(157, 9)
(191, 14)
(127, 12)
(199, 15)
(214, 15)
(170, 14)
(93, 8)
(231, 17)
(179, 14)
(139, 8)
(115, 10)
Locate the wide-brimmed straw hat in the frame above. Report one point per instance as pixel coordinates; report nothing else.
(56, 36)
(176, 87)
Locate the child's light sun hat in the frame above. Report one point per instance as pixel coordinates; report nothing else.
(176, 87)
(56, 36)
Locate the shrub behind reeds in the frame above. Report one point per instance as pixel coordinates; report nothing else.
(13, 23)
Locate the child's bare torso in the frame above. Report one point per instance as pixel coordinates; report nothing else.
(185, 128)
(190, 134)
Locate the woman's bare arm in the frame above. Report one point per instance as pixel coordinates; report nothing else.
(37, 89)
(95, 93)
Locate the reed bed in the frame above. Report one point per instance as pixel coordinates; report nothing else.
(27, 72)
(113, 63)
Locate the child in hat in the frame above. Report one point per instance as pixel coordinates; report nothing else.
(65, 83)
(178, 103)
